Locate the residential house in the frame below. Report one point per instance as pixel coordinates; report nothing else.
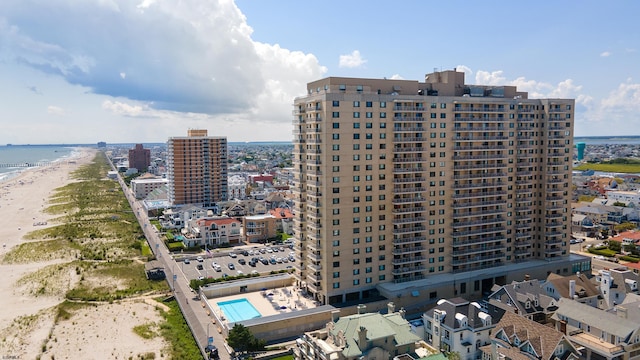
(604, 334)
(213, 232)
(363, 336)
(582, 224)
(525, 298)
(615, 284)
(457, 325)
(518, 338)
(577, 287)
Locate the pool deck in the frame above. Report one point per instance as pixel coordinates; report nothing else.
(266, 304)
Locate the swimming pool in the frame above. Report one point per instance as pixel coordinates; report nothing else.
(238, 310)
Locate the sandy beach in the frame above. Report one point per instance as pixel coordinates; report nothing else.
(27, 326)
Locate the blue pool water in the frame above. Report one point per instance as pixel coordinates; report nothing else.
(238, 310)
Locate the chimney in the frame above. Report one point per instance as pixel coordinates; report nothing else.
(391, 308)
(335, 315)
(572, 289)
(621, 311)
(402, 312)
(527, 277)
(362, 338)
(361, 308)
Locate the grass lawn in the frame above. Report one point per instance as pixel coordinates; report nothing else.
(614, 168)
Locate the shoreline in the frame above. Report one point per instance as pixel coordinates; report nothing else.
(29, 321)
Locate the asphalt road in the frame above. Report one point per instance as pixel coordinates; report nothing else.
(194, 313)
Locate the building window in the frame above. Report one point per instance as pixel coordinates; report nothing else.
(335, 115)
(356, 104)
(336, 103)
(356, 114)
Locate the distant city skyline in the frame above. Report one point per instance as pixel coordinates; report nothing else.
(121, 72)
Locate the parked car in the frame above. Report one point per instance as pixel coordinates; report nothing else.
(186, 261)
(200, 259)
(264, 261)
(200, 267)
(231, 266)
(242, 261)
(233, 255)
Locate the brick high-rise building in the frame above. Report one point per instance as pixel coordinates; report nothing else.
(402, 183)
(139, 158)
(197, 169)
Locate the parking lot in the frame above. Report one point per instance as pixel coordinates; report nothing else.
(232, 262)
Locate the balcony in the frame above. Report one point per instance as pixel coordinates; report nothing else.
(492, 230)
(409, 220)
(404, 180)
(481, 194)
(480, 175)
(409, 240)
(399, 201)
(408, 209)
(408, 189)
(477, 241)
(477, 259)
(407, 250)
(409, 149)
(477, 250)
(408, 260)
(483, 222)
(407, 270)
(466, 204)
(409, 229)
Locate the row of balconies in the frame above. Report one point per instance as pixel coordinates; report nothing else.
(480, 175)
(479, 157)
(407, 270)
(479, 138)
(408, 240)
(481, 231)
(482, 222)
(484, 194)
(477, 259)
(398, 180)
(476, 250)
(407, 250)
(466, 204)
(408, 260)
(413, 219)
(476, 241)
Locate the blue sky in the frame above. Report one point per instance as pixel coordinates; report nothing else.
(144, 70)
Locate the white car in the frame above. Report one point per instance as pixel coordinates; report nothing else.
(200, 259)
(240, 272)
(233, 255)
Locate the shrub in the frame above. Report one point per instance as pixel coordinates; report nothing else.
(628, 258)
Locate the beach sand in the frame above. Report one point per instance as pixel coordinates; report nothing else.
(27, 326)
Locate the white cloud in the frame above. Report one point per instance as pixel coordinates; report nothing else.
(605, 54)
(200, 59)
(396, 77)
(55, 110)
(352, 60)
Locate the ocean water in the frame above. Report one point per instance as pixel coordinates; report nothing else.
(20, 154)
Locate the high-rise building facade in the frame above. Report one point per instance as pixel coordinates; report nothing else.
(397, 181)
(197, 169)
(139, 158)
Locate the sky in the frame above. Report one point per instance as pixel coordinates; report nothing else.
(139, 71)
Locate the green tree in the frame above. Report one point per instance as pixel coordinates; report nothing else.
(242, 340)
(615, 246)
(453, 355)
(239, 338)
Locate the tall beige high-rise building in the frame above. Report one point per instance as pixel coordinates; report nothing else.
(399, 182)
(197, 169)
